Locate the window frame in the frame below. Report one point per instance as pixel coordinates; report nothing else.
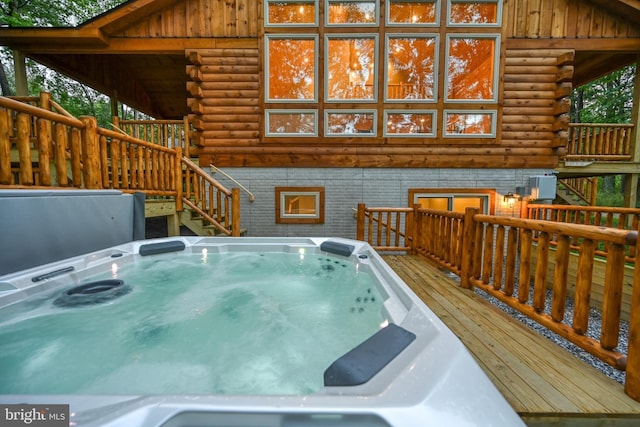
(436, 64)
(496, 24)
(316, 19)
(269, 111)
(376, 22)
(490, 193)
(435, 24)
(434, 121)
(316, 79)
(283, 218)
(327, 37)
(496, 68)
(491, 135)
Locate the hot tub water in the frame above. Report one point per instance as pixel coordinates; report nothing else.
(195, 323)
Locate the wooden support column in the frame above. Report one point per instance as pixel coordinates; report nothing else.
(20, 67)
(631, 187)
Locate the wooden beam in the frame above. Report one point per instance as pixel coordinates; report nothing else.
(609, 45)
(20, 67)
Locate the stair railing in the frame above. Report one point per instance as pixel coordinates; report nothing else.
(210, 199)
(585, 189)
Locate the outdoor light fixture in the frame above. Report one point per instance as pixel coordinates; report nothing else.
(510, 199)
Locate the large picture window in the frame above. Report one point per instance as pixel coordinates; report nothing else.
(421, 69)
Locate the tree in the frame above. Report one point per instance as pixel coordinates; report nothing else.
(73, 96)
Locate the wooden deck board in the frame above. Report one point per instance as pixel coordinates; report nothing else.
(543, 382)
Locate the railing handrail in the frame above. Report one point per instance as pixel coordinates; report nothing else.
(22, 107)
(601, 125)
(252, 197)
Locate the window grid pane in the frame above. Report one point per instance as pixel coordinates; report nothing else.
(471, 70)
(410, 123)
(291, 13)
(302, 123)
(411, 68)
(351, 71)
(291, 69)
(364, 12)
(340, 123)
(413, 12)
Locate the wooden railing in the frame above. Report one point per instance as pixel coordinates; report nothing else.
(40, 148)
(386, 229)
(166, 133)
(496, 255)
(620, 218)
(207, 197)
(610, 142)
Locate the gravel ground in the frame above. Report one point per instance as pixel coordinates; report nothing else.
(595, 321)
(593, 332)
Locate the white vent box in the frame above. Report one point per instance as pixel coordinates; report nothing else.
(543, 187)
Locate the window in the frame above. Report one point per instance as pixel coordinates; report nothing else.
(351, 68)
(429, 71)
(469, 123)
(456, 200)
(403, 12)
(471, 72)
(300, 205)
(344, 122)
(288, 123)
(474, 13)
(291, 65)
(410, 123)
(348, 13)
(411, 68)
(291, 13)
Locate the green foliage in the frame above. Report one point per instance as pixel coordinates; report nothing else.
(608, 99)
(74, 97)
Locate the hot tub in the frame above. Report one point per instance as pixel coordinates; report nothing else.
(246, 331)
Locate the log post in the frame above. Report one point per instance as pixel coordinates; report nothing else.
(23, 126)
(178, 176)
(5, 148)
(235, 212)
(467, 245)
(92, 172)
(360, 221)
(632, 380)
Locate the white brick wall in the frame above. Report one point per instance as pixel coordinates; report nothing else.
(346, 187)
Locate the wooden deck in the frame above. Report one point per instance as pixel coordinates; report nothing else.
(544, 383)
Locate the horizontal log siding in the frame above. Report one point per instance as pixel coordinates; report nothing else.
(224, 85)
(200, 18)
(535, 109)
(563, 19)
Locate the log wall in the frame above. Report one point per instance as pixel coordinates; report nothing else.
(201, 18)
(563, 19)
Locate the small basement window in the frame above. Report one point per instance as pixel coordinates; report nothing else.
(300, 205)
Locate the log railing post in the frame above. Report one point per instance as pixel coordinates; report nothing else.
(92, 171)
(235, 212)
(632, 380)
(5, 148)
(360, 221)
(179, 179)
(468, 237)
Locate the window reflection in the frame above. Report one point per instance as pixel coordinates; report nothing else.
(471, 68)
(291, 12)
(352, 12)
(351, 70)
(341, 123)
(298, 123)
(411, 68)
(410, 123)
(479, 124)
(291, 69)
(412, 12)
(473, 12)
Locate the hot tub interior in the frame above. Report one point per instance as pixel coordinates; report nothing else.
(323, 320)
